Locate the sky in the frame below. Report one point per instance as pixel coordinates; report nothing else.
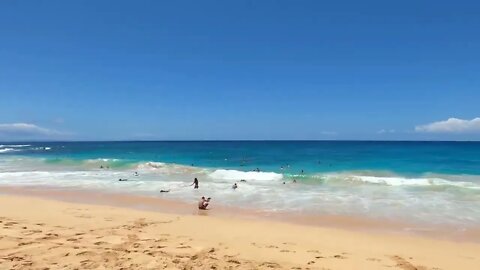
(239, 70)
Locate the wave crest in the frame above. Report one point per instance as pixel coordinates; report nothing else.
(400, 181)
(239, 175)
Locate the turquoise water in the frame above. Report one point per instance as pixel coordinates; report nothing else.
(408, 158)
(429, 182)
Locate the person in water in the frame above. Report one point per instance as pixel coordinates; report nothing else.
(235, 186)
(195, 182)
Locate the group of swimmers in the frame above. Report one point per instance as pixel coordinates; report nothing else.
(203, 203)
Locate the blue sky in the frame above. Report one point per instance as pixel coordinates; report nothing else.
(114, 70)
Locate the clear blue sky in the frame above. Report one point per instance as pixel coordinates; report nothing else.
(86, 70)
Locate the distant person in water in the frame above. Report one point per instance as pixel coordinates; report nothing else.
(136, 174)
(294, 180)
(195, 183)
(235, 186)
(164, 190)
(203, 203)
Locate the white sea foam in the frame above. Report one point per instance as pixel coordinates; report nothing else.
(169, 168)
(7, 150)
(14, 145)
(400, 181)
(97, 160)
(239, 175)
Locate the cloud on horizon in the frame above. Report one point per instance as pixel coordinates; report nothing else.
(23, 131)
(451, 125)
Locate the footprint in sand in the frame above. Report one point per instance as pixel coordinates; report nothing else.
(404, 264)
(86, 253)
(25, 243)
(234, 261)
(10, 223)
(182, 246)
(270, 265)
(72, 240)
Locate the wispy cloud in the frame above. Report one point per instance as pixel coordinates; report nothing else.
(451, 125)
(385, 131)
(27, 131)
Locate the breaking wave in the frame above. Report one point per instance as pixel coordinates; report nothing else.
(241, 175)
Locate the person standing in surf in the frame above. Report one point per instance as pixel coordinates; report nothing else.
(195, 182)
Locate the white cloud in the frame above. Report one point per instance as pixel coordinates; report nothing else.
(451, 125)
(383, 131)
(25, 130)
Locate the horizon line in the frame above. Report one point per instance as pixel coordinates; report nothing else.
(238, 140)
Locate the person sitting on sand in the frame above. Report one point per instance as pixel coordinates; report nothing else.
(203, 203)
(195, 182)
(234, 186)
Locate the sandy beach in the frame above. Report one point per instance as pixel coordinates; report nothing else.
(37, 233)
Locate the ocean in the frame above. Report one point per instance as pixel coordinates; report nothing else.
(431, 183)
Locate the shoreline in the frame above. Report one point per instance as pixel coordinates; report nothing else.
(172, 206)
(36, 233)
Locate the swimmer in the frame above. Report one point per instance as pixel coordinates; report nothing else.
(195, 182)
(234, 186)
(164, 191)
(243, 180)
(294, 180)
(122, 179)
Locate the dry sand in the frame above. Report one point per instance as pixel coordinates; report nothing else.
(45, 234)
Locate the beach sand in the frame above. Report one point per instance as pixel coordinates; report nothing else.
(37, 233)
